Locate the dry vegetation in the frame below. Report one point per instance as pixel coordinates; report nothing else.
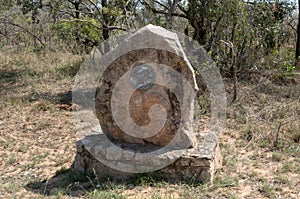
(260, 143)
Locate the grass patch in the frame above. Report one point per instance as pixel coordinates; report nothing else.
(277, 156)
(225, 181)
(33, 84)
(281, 179)
(267, 190)
(105, 194)
(231, 162)
(68, 70)
(11, 159)
(147, 180)
(40, 157)
(289, 166)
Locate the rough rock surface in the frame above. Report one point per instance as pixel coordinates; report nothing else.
(198, 163)
(178, 151)
(151, 44)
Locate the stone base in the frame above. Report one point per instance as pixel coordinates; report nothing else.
(197, 164)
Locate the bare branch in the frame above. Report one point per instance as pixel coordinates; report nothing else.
(95, 5)
(289, 23)
(159, 3)
(87, 7)
(126, 4)
(29, 32)
(73, 10)
(115, 28)
(182, 9)
(172, 14)
(98, 27)
(66, 12)
(163, 12)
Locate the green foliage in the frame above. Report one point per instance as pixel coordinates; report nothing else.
(84, 32)
(290, 68)
(30, 6)
(267, 190)
(257, 30)
(6, 4)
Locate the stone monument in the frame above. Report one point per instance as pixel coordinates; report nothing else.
(145, 105)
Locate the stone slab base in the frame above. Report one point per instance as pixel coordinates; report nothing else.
(197, 164)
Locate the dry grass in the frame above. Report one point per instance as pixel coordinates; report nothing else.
(260, 143)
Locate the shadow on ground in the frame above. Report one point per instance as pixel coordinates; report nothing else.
(67, 182)
(12, 78)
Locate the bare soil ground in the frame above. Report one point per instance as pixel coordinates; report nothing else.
(260, 143)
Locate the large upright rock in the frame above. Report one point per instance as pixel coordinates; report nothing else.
(144, 104)
(146, 53)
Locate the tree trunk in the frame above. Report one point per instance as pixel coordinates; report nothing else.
(76, 5)
(170, 17)
(199, 31)
(298, 37)
(105, 30)
(77, 11)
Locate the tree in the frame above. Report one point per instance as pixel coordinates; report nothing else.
(32, 7)
(92, 21)
(19, 25)
(298, 37)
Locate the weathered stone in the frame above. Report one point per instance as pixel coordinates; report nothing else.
(151, 44)
(137, 71)
(195, 163)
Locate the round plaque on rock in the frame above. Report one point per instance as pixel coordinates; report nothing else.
(142, 76)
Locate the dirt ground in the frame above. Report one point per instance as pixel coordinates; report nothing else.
(260, 143)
